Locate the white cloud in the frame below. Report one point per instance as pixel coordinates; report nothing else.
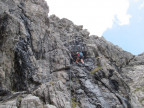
(95, 15)
(136, 0)
(141, 6)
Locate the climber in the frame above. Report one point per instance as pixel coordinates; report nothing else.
(80, 57)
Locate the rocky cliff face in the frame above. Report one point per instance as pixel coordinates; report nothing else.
(37, 63)
(133, 74)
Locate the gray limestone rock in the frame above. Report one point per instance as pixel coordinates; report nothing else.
(31, 102)
(38, 69)
(133, 74)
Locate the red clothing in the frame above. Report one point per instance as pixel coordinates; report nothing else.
(78, 55)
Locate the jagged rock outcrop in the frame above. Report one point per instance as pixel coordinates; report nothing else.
(133, 74)
(37, 63)
(104, 86)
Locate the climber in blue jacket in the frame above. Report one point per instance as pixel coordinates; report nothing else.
(80, 57)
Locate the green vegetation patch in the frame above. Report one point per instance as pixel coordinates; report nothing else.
(95, 70)
(141, 100)
(51, 83)
(140, 88)
(74, 103)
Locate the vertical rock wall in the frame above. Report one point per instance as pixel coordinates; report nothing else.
(38, 69)
(22, 28)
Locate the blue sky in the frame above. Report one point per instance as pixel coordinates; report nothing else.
(118, 21)
(129, 37)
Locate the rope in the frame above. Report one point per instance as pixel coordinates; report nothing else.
(70, 90)
(70, 75)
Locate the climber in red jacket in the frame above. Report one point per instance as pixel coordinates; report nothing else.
(80, 57)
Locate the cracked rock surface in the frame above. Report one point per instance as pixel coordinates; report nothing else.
(38, 69)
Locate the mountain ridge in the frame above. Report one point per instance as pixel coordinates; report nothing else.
(38, 69)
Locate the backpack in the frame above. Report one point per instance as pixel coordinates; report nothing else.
(81, 54)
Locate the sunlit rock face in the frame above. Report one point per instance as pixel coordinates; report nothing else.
(38, 69)
(133, 74)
